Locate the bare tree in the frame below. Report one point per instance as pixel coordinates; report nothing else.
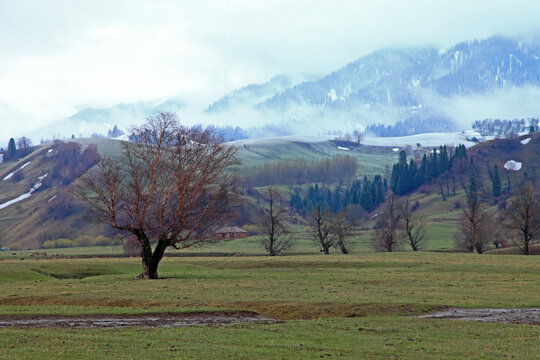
(386, 235)
(413, 229)
(358, 135)
(23, 144)
(473, 231)
(171, 189)
(341, 230)
(273, 225)
(522, 214)
(320, 227)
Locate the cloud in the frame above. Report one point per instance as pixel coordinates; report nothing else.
(508, 103)
(59, 56)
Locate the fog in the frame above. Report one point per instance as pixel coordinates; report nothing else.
(61, 56)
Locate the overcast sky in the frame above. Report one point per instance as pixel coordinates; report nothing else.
(60, 56)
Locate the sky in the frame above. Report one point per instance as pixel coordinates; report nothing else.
(58, 56)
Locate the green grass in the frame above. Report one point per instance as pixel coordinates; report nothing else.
(355, 338)
(354, 306)
(372, 160)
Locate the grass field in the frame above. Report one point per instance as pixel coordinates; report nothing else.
(355, 306)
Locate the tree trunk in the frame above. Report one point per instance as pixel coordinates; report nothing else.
(326, 250)
(525, 243)
(150, 261)
(342, 247)
(413, 245)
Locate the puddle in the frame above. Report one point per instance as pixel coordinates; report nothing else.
(146, 320)
(511, 316)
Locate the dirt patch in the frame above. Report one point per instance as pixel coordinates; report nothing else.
(510, 316)
(279, 310)
(146, 320)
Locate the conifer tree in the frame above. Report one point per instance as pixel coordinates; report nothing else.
(496, 186)
(443, 160)
(11, 150)
(424, 170)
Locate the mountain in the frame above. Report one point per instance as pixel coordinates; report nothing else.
(99, 120)
(251, 94)
(398, 84)
(425, 88)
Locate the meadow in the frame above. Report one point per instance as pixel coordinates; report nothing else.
(336, 306)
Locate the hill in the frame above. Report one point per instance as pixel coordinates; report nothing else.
(28, 218)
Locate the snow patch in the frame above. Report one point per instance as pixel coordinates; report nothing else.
(513, 165)
(395, 149)
(332, 95)
(51, 199)
(8, 176)
(24, 196)
(12, 173)
(16, 200)
(525, 141)
(50, 151)
(343, 148)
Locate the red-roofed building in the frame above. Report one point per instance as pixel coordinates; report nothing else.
(231, 232)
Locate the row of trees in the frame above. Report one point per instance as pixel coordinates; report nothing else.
(498, 127)
(301, 171)
(410, 127)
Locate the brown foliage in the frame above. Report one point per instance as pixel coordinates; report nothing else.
(171, 189)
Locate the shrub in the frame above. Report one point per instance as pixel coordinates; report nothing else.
(84, 240)
(49, 244)
(18, 176)
(65, 243)
(251, 229)
(14, 246)
(103, 241)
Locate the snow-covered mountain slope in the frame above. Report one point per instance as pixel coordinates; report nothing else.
(397, 84)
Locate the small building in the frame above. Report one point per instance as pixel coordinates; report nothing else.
(230, 232)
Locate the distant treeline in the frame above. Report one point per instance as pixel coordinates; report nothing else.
(301, 171)
(410, 127)
(366, 194)
(229, 133)
(498, 127)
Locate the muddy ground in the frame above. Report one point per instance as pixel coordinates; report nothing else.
(510, 316)
(146, 320)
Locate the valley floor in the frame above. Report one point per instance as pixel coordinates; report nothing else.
(336, 306)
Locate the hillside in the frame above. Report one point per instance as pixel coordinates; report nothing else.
(29, 217)
(45, 213)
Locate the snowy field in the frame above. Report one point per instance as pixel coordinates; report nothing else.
(429, 139)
